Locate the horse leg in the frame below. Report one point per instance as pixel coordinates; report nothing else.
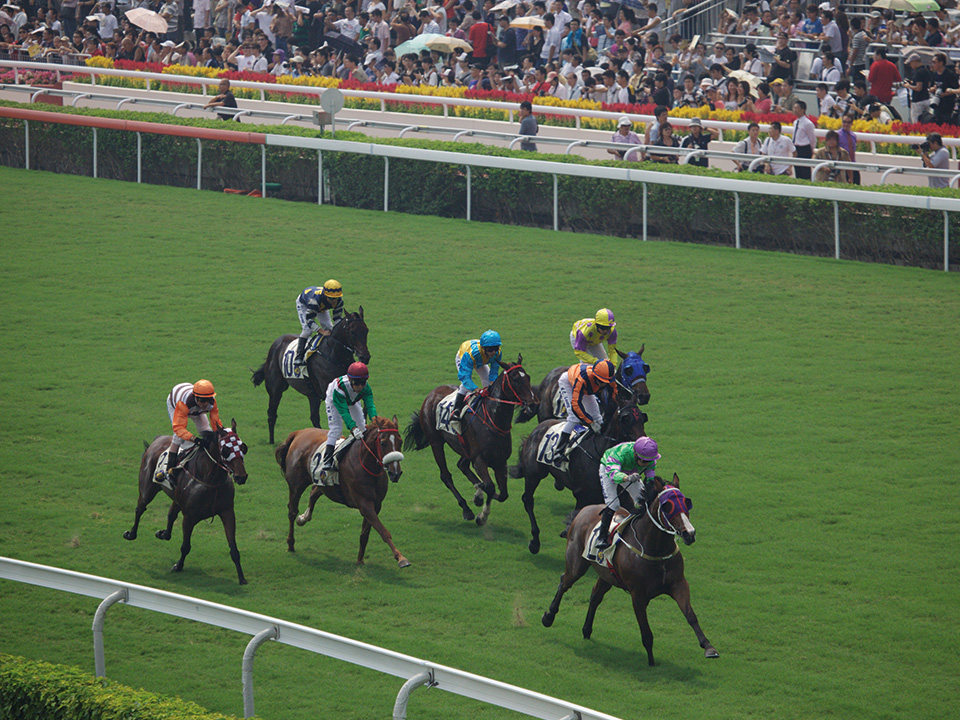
(485, 488)
(576, 569)
(307, 515)
(229, 520)
(292, 507)
(188, 524)
(272, 410)
(371, 518)
(681, 593)
(500, 473)
(596, 597)
(646, 634)
(171, 519)
(530, 485)
(314, 410)
(447, 479)
(364, 536)
(142, 503)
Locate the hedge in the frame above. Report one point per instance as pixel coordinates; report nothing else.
(33, 690)
(868, 232)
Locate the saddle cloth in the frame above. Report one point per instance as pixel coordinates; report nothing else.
(445, 420)
(290, 353)
(333, 474)
(603, 557)
(559, 409)
(549, 451)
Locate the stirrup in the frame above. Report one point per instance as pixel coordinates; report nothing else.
(163, 479)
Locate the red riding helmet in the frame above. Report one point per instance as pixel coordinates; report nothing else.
(358, 371)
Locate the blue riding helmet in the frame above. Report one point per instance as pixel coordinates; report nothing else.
(490, 338)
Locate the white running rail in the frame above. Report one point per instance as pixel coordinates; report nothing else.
(415, 672)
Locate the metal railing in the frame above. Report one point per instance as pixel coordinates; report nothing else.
(416, 672)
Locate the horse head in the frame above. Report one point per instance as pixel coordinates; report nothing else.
(384, 435)
(352, 332)
(230, 450)
(632, 375)
(673, 509)
(627, 423)
(515, 383)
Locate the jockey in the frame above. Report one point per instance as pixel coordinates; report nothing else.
(588, 335)
(578, 388)
(314, 305)
(197, 401)
(343, 411)
(476, 355)
(623, 465)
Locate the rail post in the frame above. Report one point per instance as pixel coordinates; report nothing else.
(946, 241)
(736, 219)
(644, 211)
(386, 184)
(263, 170)
(199, 160)
(98, 618)
(271, 633)
(319, 177)
(400, 706)
(94, 152)
(556, 205)
(469, 194)
(836, 230)
(26, 141)
(139, 156)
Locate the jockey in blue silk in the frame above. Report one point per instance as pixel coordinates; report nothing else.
(314, 307)
(482, 356)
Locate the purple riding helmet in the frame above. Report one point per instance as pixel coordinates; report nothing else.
(645, 449)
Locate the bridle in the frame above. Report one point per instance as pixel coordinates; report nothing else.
(322, 346)
(660, 522)
(486, 419)
(218, 462)
(378, 453)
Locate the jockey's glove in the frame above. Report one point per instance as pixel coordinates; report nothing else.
(356, 433)
(633, 477)
(594, 427)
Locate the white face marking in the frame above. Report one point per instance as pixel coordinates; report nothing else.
(522, 374)
(685, 525)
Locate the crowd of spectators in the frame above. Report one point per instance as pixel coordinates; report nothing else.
(584, 50)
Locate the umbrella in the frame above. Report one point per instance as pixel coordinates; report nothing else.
(445, 44)
(341, 43)
(743, 75)
(505, 5)
(147, 19)
(528, 22)
(414, 45)
(908, 5)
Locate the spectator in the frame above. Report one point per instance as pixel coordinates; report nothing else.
(831, 33)
(812, 27)
(918, 83)
(826, 105)
(783, 59)
(551, 39)
(528, 125)
(666, 139)
(857, 57)
(764, 103)
(787, 96)
(831, 150)
(691, 96)
(699, 140)
(661, 94)
(652, 131)
(479, 35)
(804, 137)
(506, 42)
(750, 145)
(777, 145)
(843, 100)
(946, 83)
(883, 74)
(627, 136)
(863, 98)
(880, 113)
(826, 68)
(935, 156)
(750, 62)
(224, 99)
(848, 141)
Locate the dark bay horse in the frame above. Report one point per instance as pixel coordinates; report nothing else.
(486, 443)
(583, 473)
(631, 376)
(203, 490)
(364, 469)
(334, 354)
(647, 562)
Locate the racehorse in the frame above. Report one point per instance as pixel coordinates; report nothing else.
(364, 468)
(582, 476)
(203, 490)
(631, 376)
(334, 354)
(647, 562)
(485, 443)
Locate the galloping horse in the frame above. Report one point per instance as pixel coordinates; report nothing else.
(334, 354)
(364, 468)
(631, 376)
(203, 489)
(485, 443)
(647, 562)
(583, 473)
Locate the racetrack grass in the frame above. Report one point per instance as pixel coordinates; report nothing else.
(808, 405)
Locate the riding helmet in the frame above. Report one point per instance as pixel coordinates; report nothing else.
(604, 318)
(332, 288)
(604, 371)
(358, 371)
(645, 449)
(490, 338)
(203, 388)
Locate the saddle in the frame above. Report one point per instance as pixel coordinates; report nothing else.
(549, 451)
(445, 421)
(604, 557)
(333, 474)
(291, 371)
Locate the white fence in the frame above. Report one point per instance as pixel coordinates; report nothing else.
(415, 672)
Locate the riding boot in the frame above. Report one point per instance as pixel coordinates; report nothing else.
(298, 360)
(563, 444)
(325, 464)
(165, 477)
(605, 517)
(458, 407)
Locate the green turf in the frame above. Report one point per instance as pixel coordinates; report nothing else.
(808, 405)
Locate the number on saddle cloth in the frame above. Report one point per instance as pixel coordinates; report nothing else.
(333, 474)
(549, 451)
(295, 372)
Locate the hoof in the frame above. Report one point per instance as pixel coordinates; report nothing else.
(468, 514)
(711, 653)
(563, 534)
(481, 521)
(478, 499)
(547, 619)
(162, 535)
(300, 521)
(534, 546)
(502, 498)
(404, 563)
(290, 548)
(558, 484)
(243, 581)
(176, 568)
(128, 535)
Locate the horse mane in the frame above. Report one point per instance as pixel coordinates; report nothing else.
(381, 423)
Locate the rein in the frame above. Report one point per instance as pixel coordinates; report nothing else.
(378, 454)
(486, 419)
(659, 525)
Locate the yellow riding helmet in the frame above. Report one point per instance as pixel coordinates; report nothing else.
(604, 318)
(332, 288)
(203, 388)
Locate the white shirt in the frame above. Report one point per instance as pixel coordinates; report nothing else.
(551, 39)
(781, 147)
(349, 28)
(804, 132)
(432, 26)
(108, 23)
(754, 67)
(827, 104)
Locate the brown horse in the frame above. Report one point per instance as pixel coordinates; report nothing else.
(647, 562)
(203, 490)
(485, 443)
(364, 468)
(334, 354)
(582, 476)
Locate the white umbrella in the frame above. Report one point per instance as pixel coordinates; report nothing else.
(444, 44)
(907, 5)
(147, 19)
(505, 5)
(528, 23)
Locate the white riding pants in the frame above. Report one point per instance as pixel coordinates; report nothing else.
(336, 422)
(597, 351)
(311, 325)
(634, 488)
(590, 405)
(201, 422)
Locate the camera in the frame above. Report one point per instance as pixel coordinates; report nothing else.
(924, 146)
(898, 85)
(935, 97)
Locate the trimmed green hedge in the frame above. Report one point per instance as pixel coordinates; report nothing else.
(32, 690)
(867, 232)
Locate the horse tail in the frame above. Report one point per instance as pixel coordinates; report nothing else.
(517, 471)
(413, 437)
(259, 375)
(281, 452)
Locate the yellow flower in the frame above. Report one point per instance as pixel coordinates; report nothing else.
(99, 61)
